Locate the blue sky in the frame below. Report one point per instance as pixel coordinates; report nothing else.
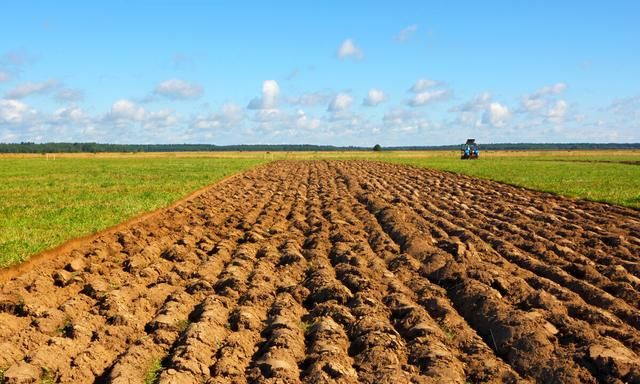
(342, 73)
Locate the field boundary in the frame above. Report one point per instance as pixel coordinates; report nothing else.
(33, 261)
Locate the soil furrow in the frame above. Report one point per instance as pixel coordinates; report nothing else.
(480, 363)
(585, 342)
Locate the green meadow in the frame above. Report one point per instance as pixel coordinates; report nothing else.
(45, 202)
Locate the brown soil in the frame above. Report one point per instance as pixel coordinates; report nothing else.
(342, 272)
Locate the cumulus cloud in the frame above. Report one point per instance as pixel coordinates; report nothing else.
(134, 124)
(531, 104)
(340, 103)
(125, 110)
(482, 111)
(422, 85)
(426, 97)
(229, 116)
(164, 118)
(478, 103)
(177, 89)
(349, 49)
(340, 107)
(269, 99)
(399, 120)
(554, 89)
(406, 33)
(496, 115)
(305, 123)
(557, 112)
(14, 112)
(30, 88)
(374, 97)
(268, 115)
(20, 122)
(69, 114)
(540, 98)
(303, 127)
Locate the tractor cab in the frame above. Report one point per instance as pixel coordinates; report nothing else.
(469, 150)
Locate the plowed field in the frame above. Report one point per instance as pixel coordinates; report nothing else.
(342, 272)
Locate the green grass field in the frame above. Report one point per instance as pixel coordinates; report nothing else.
(45, 202)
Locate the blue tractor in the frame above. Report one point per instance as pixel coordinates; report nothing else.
(469, 150)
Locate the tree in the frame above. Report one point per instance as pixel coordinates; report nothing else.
(377, 148)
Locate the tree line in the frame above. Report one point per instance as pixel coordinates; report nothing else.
(28, 147)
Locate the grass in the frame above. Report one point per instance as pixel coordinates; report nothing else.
(153, 372)
(182, 325)
(306, 326)
(45, 202)
(47, 376)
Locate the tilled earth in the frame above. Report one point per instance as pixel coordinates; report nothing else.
(343, 272)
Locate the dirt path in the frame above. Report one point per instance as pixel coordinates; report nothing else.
(339, 272)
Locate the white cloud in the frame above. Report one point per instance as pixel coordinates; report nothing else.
(125, 110)
(426, 97)
(558, 111)
(480, 102)
(422, 85)
(340, 103)
(496, 115)
(540, 98)
(300, 127)
(554, 89)
(533, 104)
(232, 113)
(374, 97)
(349, 49)
(269, 99)
(178, 89)
(31, 88)
(164, 118)
(406, 33)
(69, 114)
(405, 121)
(229, 116)
(306, 123)
(14, 112)
(470, 112)
(268, 115)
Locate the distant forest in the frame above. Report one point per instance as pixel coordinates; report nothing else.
(96, 147)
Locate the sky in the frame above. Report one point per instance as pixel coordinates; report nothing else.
(320, 72)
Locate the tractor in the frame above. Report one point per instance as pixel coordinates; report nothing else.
(469, 150)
